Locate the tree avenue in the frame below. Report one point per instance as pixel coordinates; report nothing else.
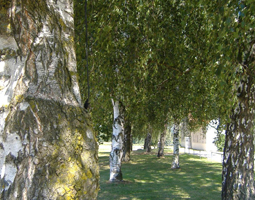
(177, 59)
(112, 71)
(47, 144)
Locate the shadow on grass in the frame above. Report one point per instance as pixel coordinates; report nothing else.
(147, 177)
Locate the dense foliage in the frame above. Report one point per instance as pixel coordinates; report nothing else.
(152, 56)
(166, 60)
(163, 59)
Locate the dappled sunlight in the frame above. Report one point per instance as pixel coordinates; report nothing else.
(101, 154)
(133, 162)
(148, 177)
(106, 147)
(177, 192)
(143, 181)
(103, 167)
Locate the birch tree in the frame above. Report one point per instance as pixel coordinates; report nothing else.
(236, 43)
(113, 57)
(48, 147)
(185, 132)
(175, 159)
(238, 163)
(147, 142)
(161, 144)
(117, 141)
(127, 141)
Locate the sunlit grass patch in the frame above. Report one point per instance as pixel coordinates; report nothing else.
(147, 177)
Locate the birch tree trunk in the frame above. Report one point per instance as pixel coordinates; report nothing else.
(186, 130)
(186, 133)
(147, 143)
(162, 143)
(238, 163)
(47, 147)
(175, 161)
(127, 142)
(117, 142)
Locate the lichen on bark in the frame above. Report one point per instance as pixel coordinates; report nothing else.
(58, 149)
(48, 149)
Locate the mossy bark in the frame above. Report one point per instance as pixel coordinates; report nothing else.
(57, 158)
(48, 149)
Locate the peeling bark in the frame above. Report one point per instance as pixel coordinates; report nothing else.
(175, 161)
(48, 149)
(117, 142)
(238, 163)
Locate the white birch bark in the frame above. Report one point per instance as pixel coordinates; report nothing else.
(47, 147)
(238, 162)
(175, 161)
(117, 142)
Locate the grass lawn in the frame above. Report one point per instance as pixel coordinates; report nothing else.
(147, 177)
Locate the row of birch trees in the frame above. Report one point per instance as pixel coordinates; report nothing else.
(158, 61)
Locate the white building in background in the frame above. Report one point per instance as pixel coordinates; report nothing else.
(202, 139)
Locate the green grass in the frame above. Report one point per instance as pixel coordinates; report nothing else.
(147, 177)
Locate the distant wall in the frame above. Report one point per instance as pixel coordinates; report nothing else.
(198, 139)
(203, 141)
